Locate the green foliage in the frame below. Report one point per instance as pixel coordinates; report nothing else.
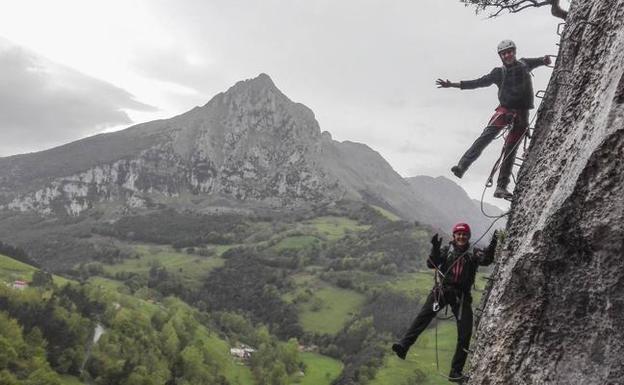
(345, 254)
(16, 253)
(22, 358)
(391, 311)
(274, 362)
(246, 285)
(178, 229)
(65, 330)
(362, 350)
(137, 347)
(386, 248)
(42, 279)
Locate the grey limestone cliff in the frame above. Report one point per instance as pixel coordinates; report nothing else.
(555, 314)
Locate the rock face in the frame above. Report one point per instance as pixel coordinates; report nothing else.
(250, 143)
(555, 314)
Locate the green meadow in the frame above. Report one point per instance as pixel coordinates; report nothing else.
(320, 370)
(11, 270)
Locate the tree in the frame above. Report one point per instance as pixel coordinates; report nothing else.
(515, 6)
(42, 279)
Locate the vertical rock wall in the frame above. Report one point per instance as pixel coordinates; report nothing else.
(555, 314)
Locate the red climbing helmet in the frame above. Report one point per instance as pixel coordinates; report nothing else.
(462, 227)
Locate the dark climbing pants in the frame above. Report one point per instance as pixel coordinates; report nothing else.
(499, 121)
(462, 310)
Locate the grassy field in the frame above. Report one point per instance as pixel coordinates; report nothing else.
(296, 242)
(386, 213)
(422, 356)
(328, 307)
(421, 359)
(320, 370)
(71, 380)
(419, 283)
(336, 308)
(11, 270)
(335, 227)
(191, 267)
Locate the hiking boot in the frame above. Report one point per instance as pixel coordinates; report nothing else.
(399, 350)
(455, 376)
(501, 192)
(458, 171)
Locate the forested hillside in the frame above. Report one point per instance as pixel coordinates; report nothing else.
(315, 294)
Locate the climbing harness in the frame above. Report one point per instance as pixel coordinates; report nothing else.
(526, 134)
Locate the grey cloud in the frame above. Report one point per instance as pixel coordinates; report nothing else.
(43, 103)
(170, 65)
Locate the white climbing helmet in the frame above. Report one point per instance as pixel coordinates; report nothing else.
(505, 44)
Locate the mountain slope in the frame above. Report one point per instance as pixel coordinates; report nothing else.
(453, 203)
(250, 146)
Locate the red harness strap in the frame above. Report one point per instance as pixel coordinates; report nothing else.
(503, 117)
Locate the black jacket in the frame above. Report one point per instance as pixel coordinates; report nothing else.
(515, 87)
(461, 274)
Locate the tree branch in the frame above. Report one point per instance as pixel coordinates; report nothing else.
(515, 6)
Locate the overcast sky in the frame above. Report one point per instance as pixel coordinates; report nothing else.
(367, 68)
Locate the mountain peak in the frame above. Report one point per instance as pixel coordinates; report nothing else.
(262, 82)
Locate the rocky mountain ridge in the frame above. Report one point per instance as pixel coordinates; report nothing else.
(247, 147)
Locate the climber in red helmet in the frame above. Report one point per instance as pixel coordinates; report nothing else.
(456, 266)
(515, 95)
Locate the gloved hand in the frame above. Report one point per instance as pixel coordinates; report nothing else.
(547, 60)
(443, 83)
(436, 242)
(434, 256)
(494, 240)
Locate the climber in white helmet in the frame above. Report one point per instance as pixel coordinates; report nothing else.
(515, 95)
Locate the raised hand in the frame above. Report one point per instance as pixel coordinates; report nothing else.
(443, 83)
(436, 242)
(494, 240)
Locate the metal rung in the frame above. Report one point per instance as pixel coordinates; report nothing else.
(559, 28)
(540, 94)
